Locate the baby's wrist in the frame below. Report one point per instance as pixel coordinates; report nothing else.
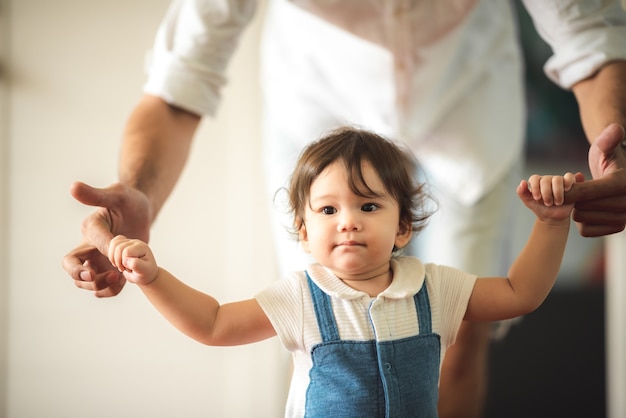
(555, 223)
(153, 279)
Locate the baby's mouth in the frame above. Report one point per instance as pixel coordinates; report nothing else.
(349, 244)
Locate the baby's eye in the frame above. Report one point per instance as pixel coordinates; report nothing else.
(369, 207)
(328, 210)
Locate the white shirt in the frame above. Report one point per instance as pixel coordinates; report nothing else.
(444, 76)
(389, 316)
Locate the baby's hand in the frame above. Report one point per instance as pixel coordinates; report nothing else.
(544, 195)
(134, 259)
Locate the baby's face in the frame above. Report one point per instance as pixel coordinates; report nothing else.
(351, 234)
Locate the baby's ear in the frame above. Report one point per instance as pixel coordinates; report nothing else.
(303, 237)
(403, 236)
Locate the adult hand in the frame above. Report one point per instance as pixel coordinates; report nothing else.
(120, 210)
(601, 203)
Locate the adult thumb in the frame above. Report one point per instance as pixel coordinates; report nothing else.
(610, 138)
(91, 196)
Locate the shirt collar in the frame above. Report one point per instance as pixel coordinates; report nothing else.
(408, 277)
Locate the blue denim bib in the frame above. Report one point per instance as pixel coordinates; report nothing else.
(363, 379)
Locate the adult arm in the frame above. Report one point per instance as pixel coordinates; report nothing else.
(589, 53)
(155, 147)
(156, 144)
(192, 48)
(601, 209)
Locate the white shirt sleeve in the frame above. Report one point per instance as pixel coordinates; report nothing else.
(192, 49)
(453, 289)
(282, 302)
(584, 35)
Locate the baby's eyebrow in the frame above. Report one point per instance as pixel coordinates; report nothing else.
(327, 196)
(382, 195)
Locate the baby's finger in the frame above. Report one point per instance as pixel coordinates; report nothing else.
(129, 265)
(546, 190)
(119, 256)
(115, 241)
(116, 249)
(558, 190)
(568, 180)
(534, 186)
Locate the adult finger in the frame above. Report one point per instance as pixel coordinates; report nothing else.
(96, 229)
(611, 184)
(76, 265)
(608, 204)
(594, 217)
(592, 231)
(113, 289)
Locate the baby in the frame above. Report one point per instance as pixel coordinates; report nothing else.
(366, 327)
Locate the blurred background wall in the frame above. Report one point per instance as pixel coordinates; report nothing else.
(76, 70)
(4, 111)
(70, 72)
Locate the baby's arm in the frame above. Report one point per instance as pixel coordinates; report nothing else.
(196, 314)
(535, 269)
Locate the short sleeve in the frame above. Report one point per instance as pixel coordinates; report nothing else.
(453, 289)
(282, 302)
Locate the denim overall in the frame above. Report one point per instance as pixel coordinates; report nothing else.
(366, 379)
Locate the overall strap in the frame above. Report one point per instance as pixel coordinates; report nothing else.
(324, 312)
(422, 305)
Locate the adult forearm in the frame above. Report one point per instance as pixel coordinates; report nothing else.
(155, 147)
(602, 98)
